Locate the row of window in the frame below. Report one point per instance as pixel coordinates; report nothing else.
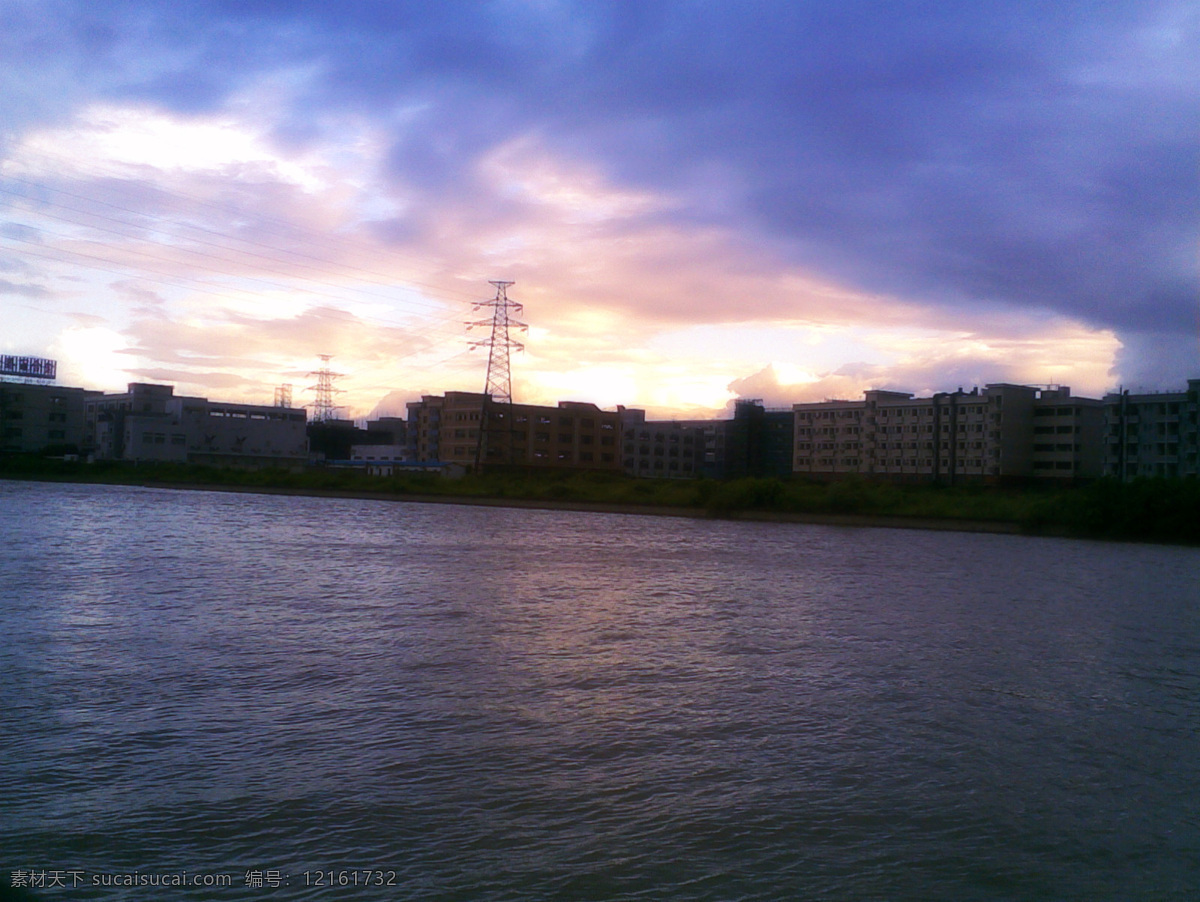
(658, 450)
(900, 463)
(674, 438)
(1057, 411)
(160, 438)
(672, 466)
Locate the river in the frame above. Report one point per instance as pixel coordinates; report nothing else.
(312, 698)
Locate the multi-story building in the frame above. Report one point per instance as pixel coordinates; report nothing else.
(951, 436)
(573, 435)
(242, 435)
(149, 423)
(663, 449)
(35, 417)
(134, 425)
(758, 441)
(1068, 435)
(1152, 434)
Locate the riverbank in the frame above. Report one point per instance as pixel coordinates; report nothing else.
(1166, 511)
(844, 520)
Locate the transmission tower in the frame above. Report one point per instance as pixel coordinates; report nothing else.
(495, 417)
(324, 409)
(283, 395)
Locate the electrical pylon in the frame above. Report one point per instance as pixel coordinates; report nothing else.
(324, 409)
(283, 395)
(495, 415)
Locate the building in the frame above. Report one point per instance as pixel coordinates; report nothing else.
(387, 431)
(332, 439)
(379, 460)
(134, 425)
(1068, 436)
(1152, 434)
(37, 417)
(664, 449)
(242, 435)
(1004, 432)
(149, 423)
(756, 442)
(574, 435)
(759, 442)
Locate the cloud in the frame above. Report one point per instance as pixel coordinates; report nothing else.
(393, 404)
(1060, 353)
(980, 174)
(29, 291)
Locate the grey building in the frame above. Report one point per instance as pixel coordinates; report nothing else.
(149, 423)
(1152, 434)
(35, 417)
(664, 449)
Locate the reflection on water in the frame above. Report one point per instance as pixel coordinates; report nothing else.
(509, 704)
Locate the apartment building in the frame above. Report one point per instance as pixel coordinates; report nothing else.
(574, 435)
(1152, 434)
(662, 449)
(980, 435)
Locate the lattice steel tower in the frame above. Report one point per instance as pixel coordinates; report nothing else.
(495, 417)
(283, 395)
(324, 409)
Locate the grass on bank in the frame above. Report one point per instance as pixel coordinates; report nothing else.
(1150, 510)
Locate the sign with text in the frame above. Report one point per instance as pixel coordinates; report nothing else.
(30, 367)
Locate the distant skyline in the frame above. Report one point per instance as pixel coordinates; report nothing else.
(696, 201)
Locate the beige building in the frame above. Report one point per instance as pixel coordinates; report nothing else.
(573, 435)
(980, 435)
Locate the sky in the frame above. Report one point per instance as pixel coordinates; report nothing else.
(695, 201)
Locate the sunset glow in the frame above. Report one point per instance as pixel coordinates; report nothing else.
(742, 219)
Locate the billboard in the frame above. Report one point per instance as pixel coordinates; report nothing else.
(29, 367)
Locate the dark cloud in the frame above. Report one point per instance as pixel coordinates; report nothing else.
(1036, 156)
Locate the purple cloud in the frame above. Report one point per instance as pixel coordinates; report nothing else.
(1007, 156)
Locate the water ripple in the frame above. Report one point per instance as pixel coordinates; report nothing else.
(503, 704)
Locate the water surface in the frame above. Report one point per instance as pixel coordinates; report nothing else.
(516, 704)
